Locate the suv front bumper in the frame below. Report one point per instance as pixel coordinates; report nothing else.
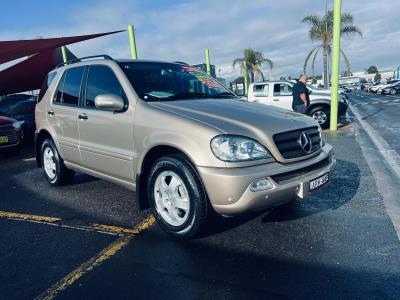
(229, 188)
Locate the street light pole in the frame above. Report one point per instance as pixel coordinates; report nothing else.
(335, 63)
(131, 32)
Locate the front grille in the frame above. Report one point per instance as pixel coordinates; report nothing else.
(288, 146)
(11, 133)
(296, 173)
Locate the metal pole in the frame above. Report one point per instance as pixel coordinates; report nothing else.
(208, 65)
(64, 54)
(335, 63)
(131, 32)
(246, 84)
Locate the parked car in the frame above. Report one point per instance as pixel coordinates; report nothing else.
(11, 134)
(376, 87)
(177, 137)
(279, 94)
(25, 111)
(393, 90)
(10, 100)
(389, 88)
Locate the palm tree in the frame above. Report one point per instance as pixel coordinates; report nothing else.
(321, 29)
(254, 61)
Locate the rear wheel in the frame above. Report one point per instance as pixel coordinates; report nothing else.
(55, 172)
(177, 196)
(321, 115)
(392, 92)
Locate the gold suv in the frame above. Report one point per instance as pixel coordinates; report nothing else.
(181, 140)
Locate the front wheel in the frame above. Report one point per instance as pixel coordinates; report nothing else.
(321, 115)
(393, 92)
(55, 172)
(177, 196)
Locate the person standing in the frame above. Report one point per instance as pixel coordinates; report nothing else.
(301, 95)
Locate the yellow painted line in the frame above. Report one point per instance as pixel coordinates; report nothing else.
(95, 261)
(116, 230)
(18, 216)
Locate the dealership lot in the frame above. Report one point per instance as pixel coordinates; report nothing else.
(338, 243)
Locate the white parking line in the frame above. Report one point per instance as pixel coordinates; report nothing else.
(383, 180)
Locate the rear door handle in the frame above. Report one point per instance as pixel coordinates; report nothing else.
(50, 113)
(276, 100)
(83, 117)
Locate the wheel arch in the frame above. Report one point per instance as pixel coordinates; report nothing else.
(317, 104)
(150, 157)
(39, 138)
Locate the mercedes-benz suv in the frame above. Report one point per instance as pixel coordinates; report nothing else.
(177, 137)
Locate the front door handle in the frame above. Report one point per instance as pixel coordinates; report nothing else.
(50, 113)
(276, 100)
(83, 117)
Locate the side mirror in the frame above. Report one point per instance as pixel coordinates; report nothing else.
(109, 102)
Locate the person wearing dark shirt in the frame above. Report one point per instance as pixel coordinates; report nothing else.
(301, 95)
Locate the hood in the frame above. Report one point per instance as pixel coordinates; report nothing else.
(5, 120)
(230, 116)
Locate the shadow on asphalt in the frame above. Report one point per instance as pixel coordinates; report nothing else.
(343, 186)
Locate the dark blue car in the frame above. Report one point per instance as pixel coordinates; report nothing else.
(25, 111)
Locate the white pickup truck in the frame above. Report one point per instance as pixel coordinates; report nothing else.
(279, 94)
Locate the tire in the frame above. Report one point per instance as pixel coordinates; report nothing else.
(173, 181)
(392, 92)
(321, 114)
(55, 172)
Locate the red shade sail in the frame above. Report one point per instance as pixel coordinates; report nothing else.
(10, 50)
(29, 74)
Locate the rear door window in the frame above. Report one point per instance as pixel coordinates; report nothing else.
(69, 88)
(102, 80)
(282, 89)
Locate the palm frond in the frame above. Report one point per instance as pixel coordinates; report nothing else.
(238, 61)
(350, 29)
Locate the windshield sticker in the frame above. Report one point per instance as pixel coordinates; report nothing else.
(202, 77)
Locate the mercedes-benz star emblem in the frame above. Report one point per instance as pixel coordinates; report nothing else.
(305, 142)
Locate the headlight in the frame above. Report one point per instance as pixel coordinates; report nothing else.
(233, 148)
(17, 124)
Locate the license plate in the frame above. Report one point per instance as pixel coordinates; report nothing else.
(3, 139)
(318, 182)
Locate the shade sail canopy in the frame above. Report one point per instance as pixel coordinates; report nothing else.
(46, 55)
(29, 74)
(10, 50)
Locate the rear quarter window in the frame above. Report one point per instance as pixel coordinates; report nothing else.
(45, 85)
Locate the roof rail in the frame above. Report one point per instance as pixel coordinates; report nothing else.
(181, 63)
(72, 61)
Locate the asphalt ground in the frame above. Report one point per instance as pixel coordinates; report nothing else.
(88, 241)
(382, 113)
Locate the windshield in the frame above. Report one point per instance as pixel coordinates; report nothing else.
(167, 81)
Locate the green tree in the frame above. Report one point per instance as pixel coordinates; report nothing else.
(377, 77)
(254, 61)
(321, 30)
(372, 70)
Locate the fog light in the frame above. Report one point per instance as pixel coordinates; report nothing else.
(260, 185)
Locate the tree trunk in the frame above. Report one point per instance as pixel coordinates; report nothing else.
(251, 76)
(326, 79)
